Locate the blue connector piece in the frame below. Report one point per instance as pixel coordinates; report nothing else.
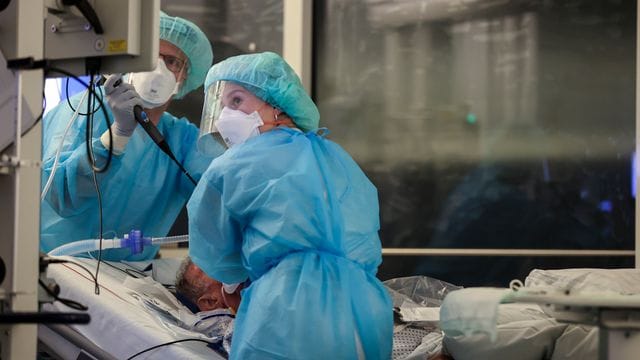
(135, 241)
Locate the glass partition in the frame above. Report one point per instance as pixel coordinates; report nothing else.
(486, 125)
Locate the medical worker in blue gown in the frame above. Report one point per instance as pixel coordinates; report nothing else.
(142, 189)
(290, 210)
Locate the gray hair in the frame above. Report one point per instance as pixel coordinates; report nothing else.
(190, 288)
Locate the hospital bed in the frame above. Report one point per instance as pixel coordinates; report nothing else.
(556, 314)
(526, 329)
(121, 326)
(607, 300)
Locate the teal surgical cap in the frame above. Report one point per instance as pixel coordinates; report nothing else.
(194, 44)
(271, 79)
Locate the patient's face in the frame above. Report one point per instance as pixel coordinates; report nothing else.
(211, 297)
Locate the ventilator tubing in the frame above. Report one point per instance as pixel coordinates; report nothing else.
(169, 240)
(83, 246)
(133, 240)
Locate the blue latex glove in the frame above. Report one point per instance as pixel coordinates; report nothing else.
(122, 97)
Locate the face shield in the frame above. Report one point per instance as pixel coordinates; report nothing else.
(230, 116)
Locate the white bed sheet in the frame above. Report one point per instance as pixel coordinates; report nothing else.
(615, 281)
(119, 324)
(525, 331)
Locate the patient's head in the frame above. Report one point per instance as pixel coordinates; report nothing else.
(200, 289)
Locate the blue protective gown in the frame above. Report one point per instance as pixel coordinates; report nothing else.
(295, 214)
(142, 189)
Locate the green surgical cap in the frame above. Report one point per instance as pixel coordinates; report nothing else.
(194, 44)
(271, 79)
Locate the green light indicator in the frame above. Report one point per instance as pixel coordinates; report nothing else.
(471, 118)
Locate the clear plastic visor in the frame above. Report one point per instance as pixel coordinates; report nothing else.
(209, 140)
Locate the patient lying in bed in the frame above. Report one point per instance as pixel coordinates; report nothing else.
(411, 340)
(524, 331)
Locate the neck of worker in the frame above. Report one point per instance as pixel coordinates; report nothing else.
(156, 113)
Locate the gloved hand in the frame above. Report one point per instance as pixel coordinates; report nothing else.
(122, 97)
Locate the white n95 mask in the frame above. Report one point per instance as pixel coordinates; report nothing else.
(236, 127)
(155, 87)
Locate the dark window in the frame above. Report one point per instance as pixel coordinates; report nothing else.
(486, 125)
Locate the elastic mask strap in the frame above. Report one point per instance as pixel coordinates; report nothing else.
(179, 84)
(176, 89)
(275, 122)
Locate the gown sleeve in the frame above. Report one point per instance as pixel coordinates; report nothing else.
(72, 188)
(215, 237)
(193, 161)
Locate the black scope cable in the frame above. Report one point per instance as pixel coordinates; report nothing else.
(66, 89)
(104, 112)
(128, 271)
(54, 260)
(45, 261)
(89, 145)
(169, 343)
(68, 302)
(155, 135)
(89, 140)
(93, 68)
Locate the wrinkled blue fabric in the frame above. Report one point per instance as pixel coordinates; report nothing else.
(293, 212)
(142, 189)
